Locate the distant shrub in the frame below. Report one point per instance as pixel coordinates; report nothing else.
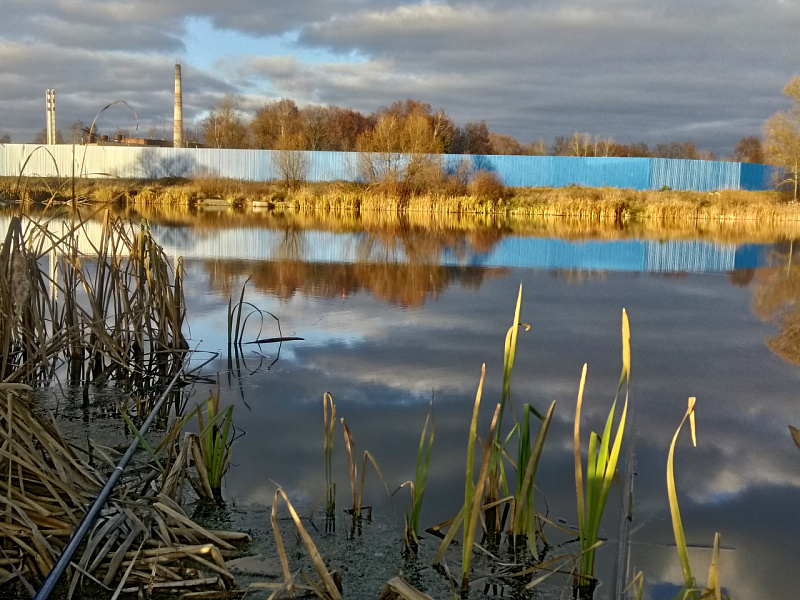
(486, 185)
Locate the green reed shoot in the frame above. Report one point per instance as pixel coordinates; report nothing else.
(690, 589)
(235, 328)
(496, 477)
(601, 464)
(418, 485)
(527, 462)
(675, 513)
(330, 421)
(211, 447)
(714, 589)
(215, 430)
(510, 352)
(473, 492)
(636, 586)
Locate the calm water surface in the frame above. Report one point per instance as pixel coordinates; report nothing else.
(391, 322)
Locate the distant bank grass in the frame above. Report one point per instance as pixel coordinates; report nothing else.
(579, 209)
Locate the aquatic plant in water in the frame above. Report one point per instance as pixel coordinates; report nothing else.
(417, 487)
(601, 465)
(330, 485)
(690, 590)
(210, 447)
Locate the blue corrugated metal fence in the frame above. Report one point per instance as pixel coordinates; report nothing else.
(265, 165)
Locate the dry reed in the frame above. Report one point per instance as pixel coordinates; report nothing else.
(142, 537)
(104, 300)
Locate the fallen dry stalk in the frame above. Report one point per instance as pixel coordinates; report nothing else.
(45, 489)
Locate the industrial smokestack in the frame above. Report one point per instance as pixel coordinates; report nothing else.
(51, 117)
(177, 134)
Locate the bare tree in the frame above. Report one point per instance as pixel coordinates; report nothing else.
(224, 126)
(684, 150)
(346, 127)
(580, 144)
(504, 144)
(749, 150)
(275, 120)
(604, 146)
(474, 139)
(41, 137)
(290, 159)
(444, 130)
(380, 150)
(78, 132)
(782, 139)
(535, 148)
(402, 147)
(317, 127)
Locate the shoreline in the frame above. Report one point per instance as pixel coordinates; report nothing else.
(572, 212)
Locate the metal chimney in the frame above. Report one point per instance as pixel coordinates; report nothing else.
(51, 117)
(177, 134)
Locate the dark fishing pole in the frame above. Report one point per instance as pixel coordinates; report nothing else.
(94, 510)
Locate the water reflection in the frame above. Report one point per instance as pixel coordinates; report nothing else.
(392, 318)
(776, 298)
(692, 335)
(403, 284)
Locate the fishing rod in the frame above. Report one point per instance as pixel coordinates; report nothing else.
(94, 510)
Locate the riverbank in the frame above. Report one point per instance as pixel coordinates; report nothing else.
(482, 196)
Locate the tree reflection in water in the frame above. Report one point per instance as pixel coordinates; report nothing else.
(399, 265)
(776, 299)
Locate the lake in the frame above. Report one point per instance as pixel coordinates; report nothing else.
(393, 318)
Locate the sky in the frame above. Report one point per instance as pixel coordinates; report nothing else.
(657, 71)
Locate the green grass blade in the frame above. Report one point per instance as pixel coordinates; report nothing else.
(525, 490)
(509, 354)
(141, 439)
(677, 524)
(714, 583)
(469, 486)
(471, 524)
(421, 473)
(581, 500)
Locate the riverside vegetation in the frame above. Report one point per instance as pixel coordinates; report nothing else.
(480, 194)
(117, 313)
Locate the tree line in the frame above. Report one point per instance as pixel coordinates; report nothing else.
(411, 126)
(405, 126)
(414, 126)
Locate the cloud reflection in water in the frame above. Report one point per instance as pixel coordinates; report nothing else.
(382, 362)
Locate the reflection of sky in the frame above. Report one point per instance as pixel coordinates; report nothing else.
(693, 335)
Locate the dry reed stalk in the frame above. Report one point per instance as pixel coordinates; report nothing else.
(398, 588)
(111, 303)
(45, 489)
(330, 588)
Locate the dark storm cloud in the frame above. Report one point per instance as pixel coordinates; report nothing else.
(710, 72)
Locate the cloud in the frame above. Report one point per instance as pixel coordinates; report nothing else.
(709, 72)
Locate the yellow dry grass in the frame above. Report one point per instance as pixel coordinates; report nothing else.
(569, 212)
(47, 488)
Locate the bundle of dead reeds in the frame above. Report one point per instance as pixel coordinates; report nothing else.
(141, 539)
(102, 298)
